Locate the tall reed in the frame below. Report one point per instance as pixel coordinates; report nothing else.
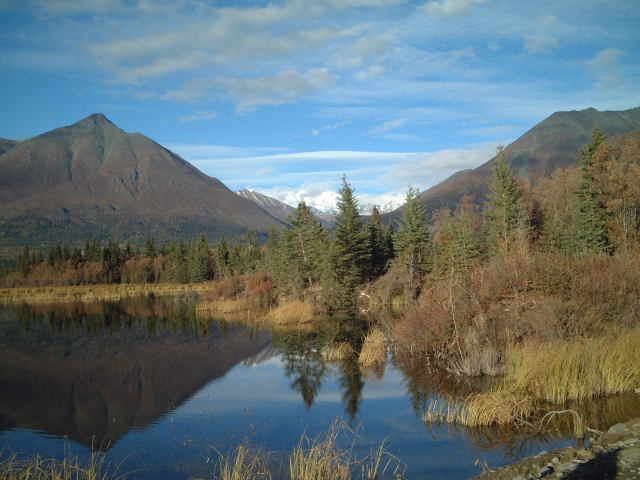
(540, 374)
(242, 464)
(38, 468)
(374, 349)
(292, 313)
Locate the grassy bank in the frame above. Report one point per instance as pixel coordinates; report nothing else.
(96, 292)
(544, 377)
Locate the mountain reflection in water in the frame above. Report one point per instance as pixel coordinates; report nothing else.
(95, 370)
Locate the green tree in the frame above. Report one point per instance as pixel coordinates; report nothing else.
(590, 236)
(377, 245)
(503, 207)
(458, 240)
(349, 256)
(412, 241)
(201, 261)
(150, 248)
(222, 257)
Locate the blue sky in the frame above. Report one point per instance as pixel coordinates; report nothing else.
(283, 97)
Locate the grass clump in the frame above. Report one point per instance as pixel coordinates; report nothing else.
(242, 463)
(374, 349)
(38, 468)
(322, 457)
(337, 352)
(543, 374)
(292, 313)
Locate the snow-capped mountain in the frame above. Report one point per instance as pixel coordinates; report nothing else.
(386, 208)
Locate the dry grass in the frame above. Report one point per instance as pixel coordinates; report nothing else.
(292, 313)
(374, 349)
(243, 464)
(321, 457)
(224, 306)
(38, 468)
(96, 292)
(337, 352)
(539, 374)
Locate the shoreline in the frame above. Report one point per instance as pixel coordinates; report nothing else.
(96, 292)
(614, 456)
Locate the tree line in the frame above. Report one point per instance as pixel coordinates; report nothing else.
(593, 209)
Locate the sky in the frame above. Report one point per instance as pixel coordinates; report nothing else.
(284, 97)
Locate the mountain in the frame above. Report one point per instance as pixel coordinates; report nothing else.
(553, 143)
(386, 208)
(92, 179)
(6, 144)
(275, 208)
(281, 210)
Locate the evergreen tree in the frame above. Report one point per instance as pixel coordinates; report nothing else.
(590, 236)
(24, 262)
(459, 245)
(150, 247)
(222, 257)
(503, 206)
(76, 255)
(349, 255)
(412, 241)
(377, 245)
(201, 263)
(111, 262)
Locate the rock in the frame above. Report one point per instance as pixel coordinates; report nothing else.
(618, 428)
(544, 471)
(629, 441)
(520, 477)
(566, 467)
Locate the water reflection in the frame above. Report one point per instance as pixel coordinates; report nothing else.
(150, 371)
(92, 372)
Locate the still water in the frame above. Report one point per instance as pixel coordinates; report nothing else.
(162, 391)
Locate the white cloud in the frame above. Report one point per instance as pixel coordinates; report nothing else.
(423, 168)
(199, 115)
(544, 44)
(606, 66)
(388, 126)
(317, 132)
(449, 8)
(286, 87)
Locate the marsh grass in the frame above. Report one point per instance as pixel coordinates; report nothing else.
(292, 313)
(374, 348)
(224, 306)
(541, 376)
(38, 468)
(243, 463)
(337, 352)
(322, 457)
(96, 292)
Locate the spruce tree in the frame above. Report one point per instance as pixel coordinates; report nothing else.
(412, 241)
(503, 206)
(377, 245)
(150, 247)
(349, 255)
(201, 261)
(222, 257)
(590, 236)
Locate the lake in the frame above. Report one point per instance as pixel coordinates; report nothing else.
(161, 391)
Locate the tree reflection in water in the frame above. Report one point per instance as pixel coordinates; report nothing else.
(306, 365)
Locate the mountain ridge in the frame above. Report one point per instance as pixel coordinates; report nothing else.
(92, 179)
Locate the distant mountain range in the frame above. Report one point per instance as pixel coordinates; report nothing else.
(91, 179)
(553, 143)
